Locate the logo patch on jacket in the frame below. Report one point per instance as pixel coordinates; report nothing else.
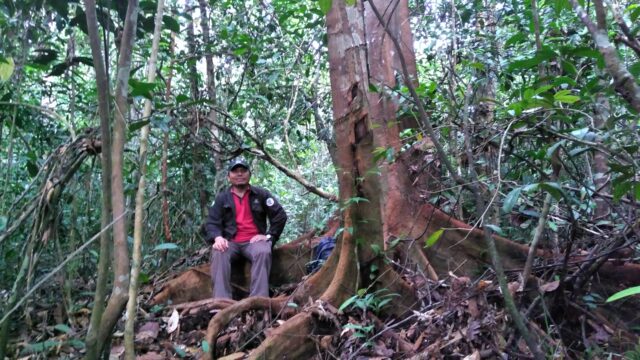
(270, 202)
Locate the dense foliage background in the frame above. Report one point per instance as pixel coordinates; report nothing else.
(519, 83)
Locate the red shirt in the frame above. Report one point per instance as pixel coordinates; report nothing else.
(244, 220)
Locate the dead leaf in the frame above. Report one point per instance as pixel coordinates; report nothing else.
(379, 349)
(325, 342)
(550, 286)
(482, 284)
(473, 330)
(472, 308)
(148, 332)
(474, 356)
(116, 353)
(601, 335)
(174, 321)
(418, 342)
(514, 287)
(151, 356)
(234, 356)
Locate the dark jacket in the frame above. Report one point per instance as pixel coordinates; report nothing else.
(222, 215)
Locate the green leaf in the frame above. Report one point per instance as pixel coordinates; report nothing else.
(495, 228)
(241, 50)
(350, 2)
(39, 347)
(624, 293)
(564, 97)
(554, 189)
(477, 65)
(76, 343)
(182, 98)
(635, 69)
(63, 328)
(433, 238)
(579, 150)
(179, 351)
(540, 56)
(32, 168)
(635, 13)
(347, 302)
(141, 88)
(138, 125)
(166, 246)
(325, 6)
(171, 23)
(515, 39)
(553, 148)
(45, 56)
(542, 89)
(205, 346)
(6, 69)
(511, 199)
(143, 278)
(620, 189)
(561, 80)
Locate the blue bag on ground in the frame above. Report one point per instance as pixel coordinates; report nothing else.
(321, 253)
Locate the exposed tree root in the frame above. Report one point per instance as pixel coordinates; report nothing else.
(291, 340)
(221, 319)
(196, 307)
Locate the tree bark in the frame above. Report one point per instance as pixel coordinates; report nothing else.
(195, 123)
(119, 293)
(103, 89)
(138, 228)
(212, 117)
(165, 151)
(625, 83)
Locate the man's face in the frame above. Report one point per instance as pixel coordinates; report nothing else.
(239, 176)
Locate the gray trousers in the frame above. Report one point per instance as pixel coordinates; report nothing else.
(258, 253)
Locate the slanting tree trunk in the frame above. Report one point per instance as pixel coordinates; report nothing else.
(104, 319)
(119, 293)
(138, 227)
(623, 81)
(103, 89)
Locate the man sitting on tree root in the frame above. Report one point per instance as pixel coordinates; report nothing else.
(237, 226)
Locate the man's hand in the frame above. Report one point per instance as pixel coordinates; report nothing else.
(258, 237)
(220, 244)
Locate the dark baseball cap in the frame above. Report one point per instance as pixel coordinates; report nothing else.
(238, 162)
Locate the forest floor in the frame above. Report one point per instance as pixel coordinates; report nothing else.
(457, 318)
